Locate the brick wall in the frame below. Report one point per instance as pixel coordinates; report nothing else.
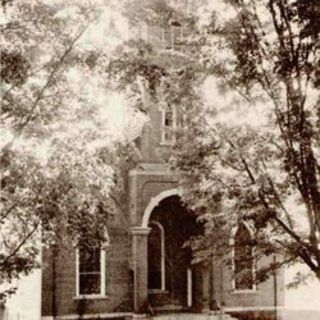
(263, 296)
(146, 183)
(118, 279)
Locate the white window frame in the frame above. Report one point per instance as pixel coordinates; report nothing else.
(102, 276)
(233, 255)
(164, 109)
(163, 257)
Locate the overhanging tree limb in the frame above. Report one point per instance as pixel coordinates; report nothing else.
(48, 83)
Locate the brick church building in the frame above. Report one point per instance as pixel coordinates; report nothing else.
(145, 269)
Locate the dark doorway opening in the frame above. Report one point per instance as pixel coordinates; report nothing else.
(171, 274)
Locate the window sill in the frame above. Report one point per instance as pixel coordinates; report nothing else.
(155, 291)
(91, 297)
(167, 144)
(245, 291)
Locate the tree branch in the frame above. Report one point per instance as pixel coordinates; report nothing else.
(22, 243)
(48, 83)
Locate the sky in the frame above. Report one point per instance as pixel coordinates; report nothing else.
(305, 297)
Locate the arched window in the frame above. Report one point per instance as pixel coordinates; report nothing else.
(168, 124)
(156, 257)
(243, 258)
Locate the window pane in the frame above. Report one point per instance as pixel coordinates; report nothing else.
(168, 121)
(168, 134)
(243, 259)
(154, 258)
(89, 283)
(168, 125)
(177, 37)
(243, 268)
(89, 259)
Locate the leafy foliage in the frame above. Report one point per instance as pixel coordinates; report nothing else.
(265, 171)
(60, 156)
(248, 142)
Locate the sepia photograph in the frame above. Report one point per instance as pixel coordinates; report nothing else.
(160, 160)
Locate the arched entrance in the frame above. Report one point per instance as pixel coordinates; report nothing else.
(163, 275)
(173, 281)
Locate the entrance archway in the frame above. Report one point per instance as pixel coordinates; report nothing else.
(173, 281)
(155, 202)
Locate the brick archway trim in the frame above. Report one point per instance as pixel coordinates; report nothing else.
(155, 201)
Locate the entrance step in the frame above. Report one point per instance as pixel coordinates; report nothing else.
(192, 316)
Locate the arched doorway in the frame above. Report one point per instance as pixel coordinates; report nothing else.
(173, 281)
